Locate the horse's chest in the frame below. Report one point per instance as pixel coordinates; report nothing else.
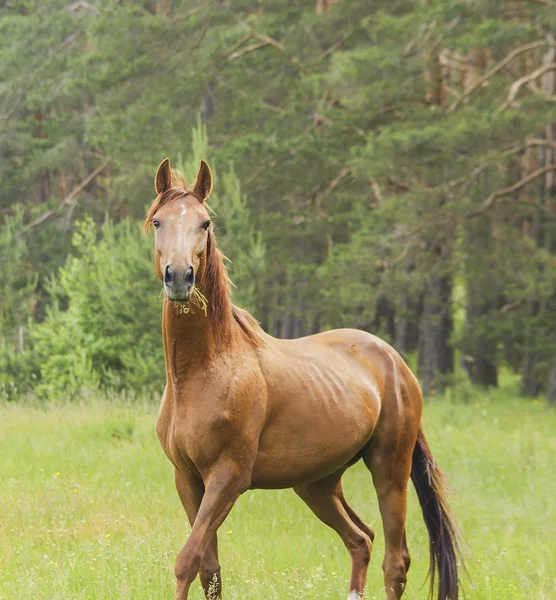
(193, 436)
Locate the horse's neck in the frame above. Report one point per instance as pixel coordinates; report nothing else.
(192, 339)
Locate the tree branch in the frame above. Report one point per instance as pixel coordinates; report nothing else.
(197, 42)
(335, 46)
(511, 305)
(510, 190)
(496, 68)
(190, 13)
(517, 85)
(265, 40)
(69, 200)
(400, 256)
(251, 48)
(376, 190)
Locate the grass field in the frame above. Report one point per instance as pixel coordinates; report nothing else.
(88, 510)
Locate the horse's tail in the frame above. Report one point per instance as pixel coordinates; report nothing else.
(443, 534)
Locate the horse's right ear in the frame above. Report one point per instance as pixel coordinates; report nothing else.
(163, 178)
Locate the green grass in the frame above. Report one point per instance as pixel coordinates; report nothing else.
(88, 510)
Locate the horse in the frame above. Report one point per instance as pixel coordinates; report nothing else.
(242, 410)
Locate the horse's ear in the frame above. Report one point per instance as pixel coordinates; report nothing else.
(163, 178)
(203, 183)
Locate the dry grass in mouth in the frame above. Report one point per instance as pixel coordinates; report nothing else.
(197, 299)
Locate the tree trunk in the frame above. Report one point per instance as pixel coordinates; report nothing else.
(530, 384)
(479, 342)
(551, 391)
(436, 351)
(321, 6)
(480, 349)
(406, 340)
(436, 354)
(384, 313)
(548, 84)
(539, 228)
(164, 7)
(408, 317)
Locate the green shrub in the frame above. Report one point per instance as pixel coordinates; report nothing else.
(109, 336)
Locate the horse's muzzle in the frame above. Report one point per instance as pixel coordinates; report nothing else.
(179, 282)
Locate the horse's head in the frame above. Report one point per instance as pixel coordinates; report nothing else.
(182, 226)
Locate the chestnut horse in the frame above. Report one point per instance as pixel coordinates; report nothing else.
(243, 410)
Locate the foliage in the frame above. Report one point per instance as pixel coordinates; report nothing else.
(102, 327)
(109, 335)
(365, 145)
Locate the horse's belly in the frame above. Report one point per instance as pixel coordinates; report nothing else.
(309, 440)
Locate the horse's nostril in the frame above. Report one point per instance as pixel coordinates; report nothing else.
(168, 275)
(190, 276)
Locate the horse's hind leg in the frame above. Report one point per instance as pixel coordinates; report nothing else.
(355, 517)
(389, 460)
(325, 498)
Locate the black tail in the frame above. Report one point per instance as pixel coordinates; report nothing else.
(443, 535)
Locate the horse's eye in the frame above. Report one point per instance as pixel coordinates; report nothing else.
(156, 223)
(206, 225)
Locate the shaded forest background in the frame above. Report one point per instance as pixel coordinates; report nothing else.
(389, 166)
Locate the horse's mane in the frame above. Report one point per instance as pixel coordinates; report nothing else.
(215, 277)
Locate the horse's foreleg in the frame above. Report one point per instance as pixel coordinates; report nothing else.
(191, 491)
(223, 485)
(325, 499)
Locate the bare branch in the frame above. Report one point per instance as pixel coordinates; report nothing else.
(240, 43)
(265, 40)
(269, 40)
(402, 185)
(416, 45)
(190, 13)
(272, 107)
(517, 85)
(533, 143)
(198, 41)
(498, 67)
(376, 190)
(511, 305)
(69, 200)
(247, 50)
(401, 256)
(37, 221)
(510, 190)
(329, 188)
(335, 46)
(82, 4)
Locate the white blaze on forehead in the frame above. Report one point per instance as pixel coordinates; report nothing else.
(181, 241)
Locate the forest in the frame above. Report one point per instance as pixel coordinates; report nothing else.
(388, 166)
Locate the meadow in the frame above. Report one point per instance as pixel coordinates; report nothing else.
(88, 508)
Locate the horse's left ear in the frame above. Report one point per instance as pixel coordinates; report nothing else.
(203, 183)
(163, 177)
